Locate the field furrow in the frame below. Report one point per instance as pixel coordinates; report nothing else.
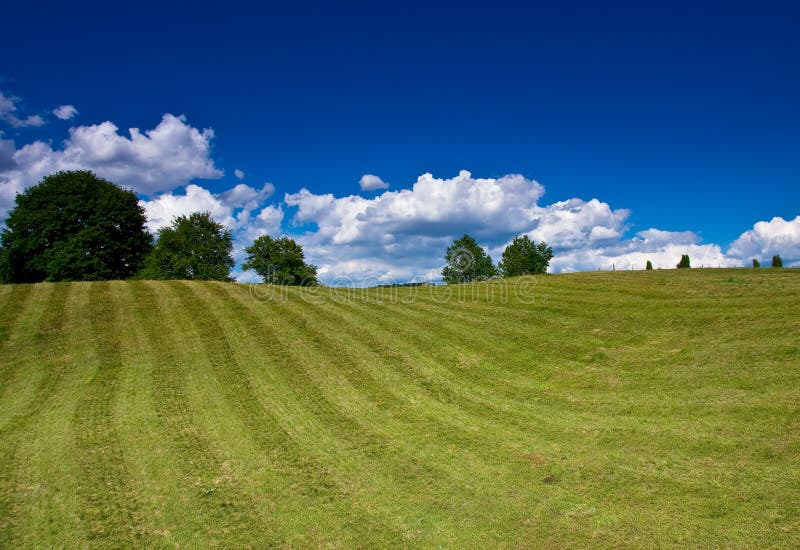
(310, 437)
(652, 409)
(109, 510)
(40, 362)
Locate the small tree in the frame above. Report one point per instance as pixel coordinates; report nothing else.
(466, 262)
(280, 262)
(73, 226)
(193, 247)
(649, 266)
(684, 263)
(524, 257)
(776, 261)
(756, 264)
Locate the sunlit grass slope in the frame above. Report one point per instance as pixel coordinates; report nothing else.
(638, 408)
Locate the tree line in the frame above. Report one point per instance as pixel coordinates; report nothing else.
(75, 226)
(686, 263)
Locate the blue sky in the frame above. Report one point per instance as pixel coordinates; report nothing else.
(684, 114)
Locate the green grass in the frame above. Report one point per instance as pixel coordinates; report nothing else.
(618, 409)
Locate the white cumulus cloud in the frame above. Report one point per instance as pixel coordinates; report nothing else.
(169, 156)
(233, 208)
(402, 235)
(65, 112)
(370, 182)
(766, 239)
(239, 174)
(635, 252)
(432, 207)
(240, 209)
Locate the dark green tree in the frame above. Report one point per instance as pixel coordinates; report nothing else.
(280, 262)
(684, 263)
(524, 257)
(649, 266)
(755, 263)
(193, 247)
(776, 261)
(73, 226)
(466, 262)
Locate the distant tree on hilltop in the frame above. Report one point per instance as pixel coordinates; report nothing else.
(73, 226)
(776, 261)
(756, 264)
(684, 263)
(193, 247)
(524, 257)
(467, 262)
(649, 266)
(280, 262)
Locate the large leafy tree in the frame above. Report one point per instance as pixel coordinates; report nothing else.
(73, 226)
(280, 262)
(467, 262)
(685, 262)
(193, 247)
(524, 257)
(776, 261)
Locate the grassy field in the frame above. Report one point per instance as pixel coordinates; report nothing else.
(618, 409)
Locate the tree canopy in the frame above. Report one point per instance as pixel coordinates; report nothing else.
(73, 226)
(467, 262)
(524, 257)
(648, 266)
(685, 263)
(776, 261)
(193, 247)
(280, 261)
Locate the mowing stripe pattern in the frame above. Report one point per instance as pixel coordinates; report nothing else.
(601, 409)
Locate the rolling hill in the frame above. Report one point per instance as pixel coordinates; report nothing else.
(631, 408)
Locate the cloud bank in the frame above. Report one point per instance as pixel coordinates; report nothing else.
(767, 239)
(169, 156)
(234, 208)
(402, 235)
(395, 235)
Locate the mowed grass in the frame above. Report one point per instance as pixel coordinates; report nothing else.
(604, 409)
